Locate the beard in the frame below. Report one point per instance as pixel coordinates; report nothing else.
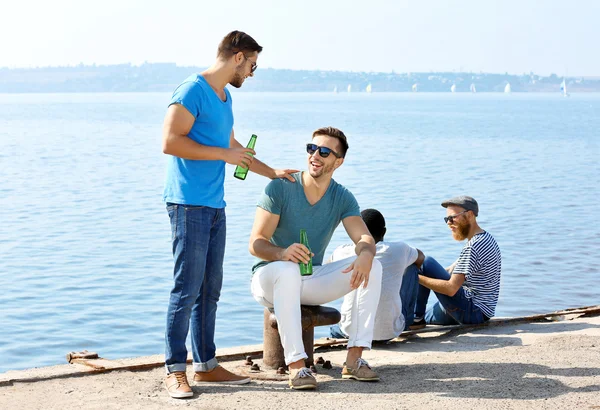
(462, 231)
(324, 170)
(238, 78)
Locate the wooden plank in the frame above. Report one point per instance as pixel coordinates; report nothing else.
(588, 310)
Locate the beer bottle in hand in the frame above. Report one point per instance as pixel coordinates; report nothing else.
(305, 268)
(241, 172)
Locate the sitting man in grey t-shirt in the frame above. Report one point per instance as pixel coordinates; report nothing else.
(317, 204)
(400, 263)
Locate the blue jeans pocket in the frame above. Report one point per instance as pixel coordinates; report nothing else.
(172, 211)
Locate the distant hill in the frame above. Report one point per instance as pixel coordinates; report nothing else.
(166, 76)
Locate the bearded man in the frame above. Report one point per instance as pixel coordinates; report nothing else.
(467, 291)
(199, 139)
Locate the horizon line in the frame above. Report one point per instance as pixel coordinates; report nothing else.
(82, 65)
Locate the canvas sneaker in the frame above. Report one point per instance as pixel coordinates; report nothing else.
(362, 372)
(302, 379)
(177, 385)
(220, 375)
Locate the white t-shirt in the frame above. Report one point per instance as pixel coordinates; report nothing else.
(395, 257)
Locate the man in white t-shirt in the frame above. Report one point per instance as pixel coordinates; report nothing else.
(400, 263)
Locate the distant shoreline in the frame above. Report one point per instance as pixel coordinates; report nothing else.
(159, 77)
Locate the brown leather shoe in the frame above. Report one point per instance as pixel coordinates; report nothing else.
(302, 379)
(220, 375)
(177, 385)
(361, 372)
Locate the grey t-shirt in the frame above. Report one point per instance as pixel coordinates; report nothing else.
(287, 199)
(395, 257)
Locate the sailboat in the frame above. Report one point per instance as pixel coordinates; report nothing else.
(507, 88)
(453, 88)
(335, 89)
(472, 88)
(414, 87)
(369, 88)
(563, 88)
(349, 88)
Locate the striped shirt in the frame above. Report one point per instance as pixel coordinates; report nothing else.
(480, 261)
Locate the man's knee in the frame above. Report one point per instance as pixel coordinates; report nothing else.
(287, 274)
(429, 260)
(430, 264)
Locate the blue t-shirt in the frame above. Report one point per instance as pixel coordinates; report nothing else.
(287, 199)
(200, 182)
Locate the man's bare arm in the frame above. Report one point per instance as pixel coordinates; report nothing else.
(450, 268)
(420, 258)
(264, 226)
(446, 287)
(177, 125)
(260, 167)
(365, 249)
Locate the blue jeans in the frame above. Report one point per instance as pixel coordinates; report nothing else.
(448, 310)
(408, 296)
(198, 235)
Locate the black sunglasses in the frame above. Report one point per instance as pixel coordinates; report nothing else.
(323, 151)
(451, 217)
(253, 67)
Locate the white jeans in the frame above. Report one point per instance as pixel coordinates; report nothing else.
(279, 285)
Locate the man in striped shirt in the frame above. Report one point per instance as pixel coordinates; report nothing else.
(467, 291)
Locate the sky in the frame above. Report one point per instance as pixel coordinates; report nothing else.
(550, 36)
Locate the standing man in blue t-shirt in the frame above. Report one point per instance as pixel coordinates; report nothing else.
(317, 204)
(467, 291)
(198, 136)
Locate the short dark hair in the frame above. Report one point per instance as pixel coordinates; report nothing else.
(335, 133)
(237, 41)
(375, 222)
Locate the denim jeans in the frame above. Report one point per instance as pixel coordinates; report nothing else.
(448, 310)
(198, 237)
(408, 296)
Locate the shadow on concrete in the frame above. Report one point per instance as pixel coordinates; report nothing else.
(516, 381)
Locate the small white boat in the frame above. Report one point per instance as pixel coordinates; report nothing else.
(335, 89)
(414, 87)
(453, 88)
(349, 89)
(563, 88)
(507, 88)
(472, 88)
(369, 88)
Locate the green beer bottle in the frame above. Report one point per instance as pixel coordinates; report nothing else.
(241, 172)
(305, 268)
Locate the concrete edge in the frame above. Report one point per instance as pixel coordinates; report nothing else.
(84, 367)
